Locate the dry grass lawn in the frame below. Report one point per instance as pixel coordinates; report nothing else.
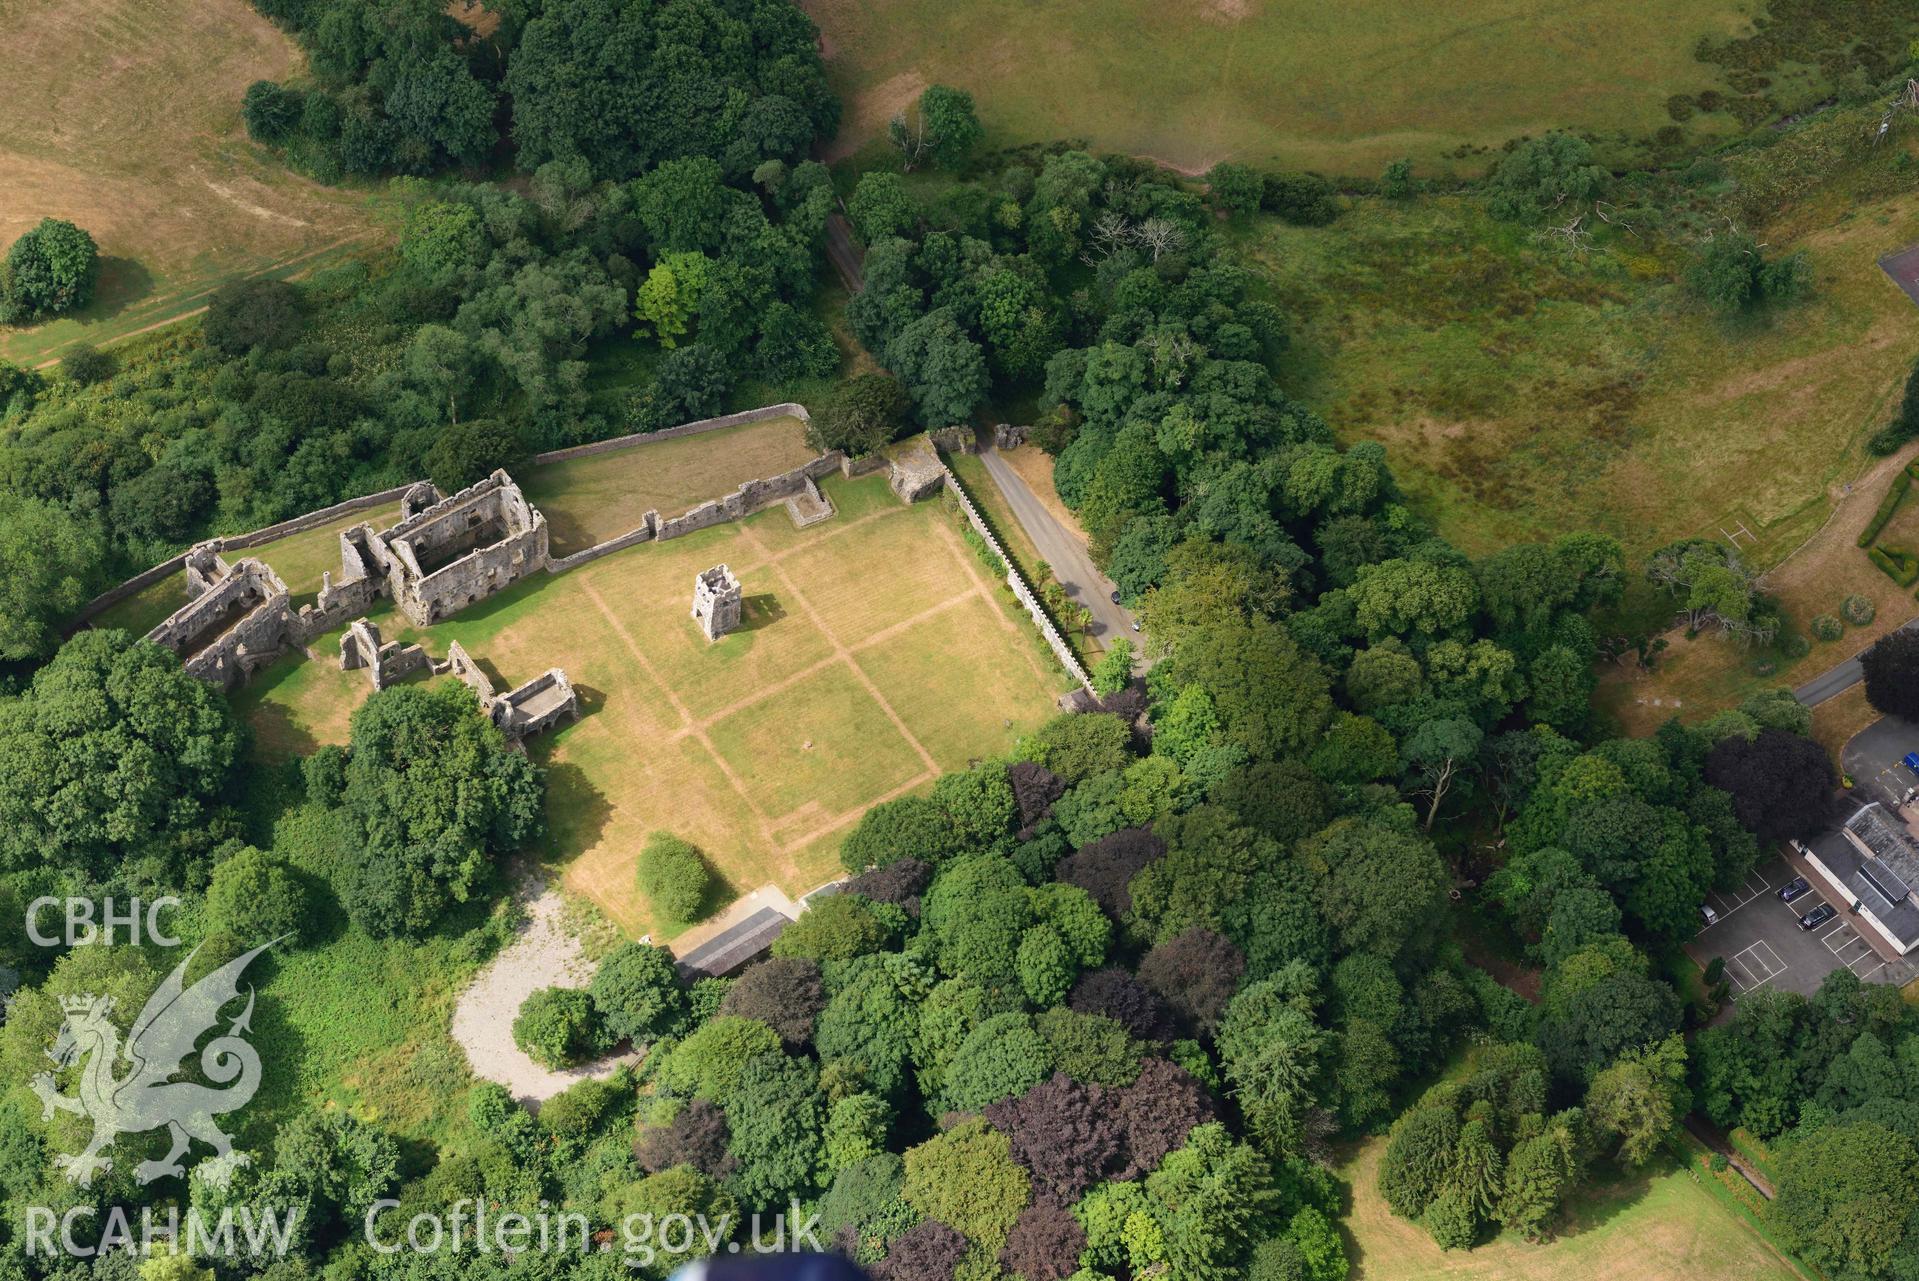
(1660, 1226)
(589, 500)
(1522, 393)
(1343, 88)
(124, 117)
(874, 656)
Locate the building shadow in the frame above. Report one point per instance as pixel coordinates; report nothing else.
(759, 611)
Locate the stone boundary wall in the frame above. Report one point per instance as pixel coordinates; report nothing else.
(1048, 632)
(173, 565)
(325, 515)
(750, 497)
(786, 409)
(313, 520)
(132, 587)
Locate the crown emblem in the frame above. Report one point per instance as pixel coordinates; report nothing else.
(86, 1004)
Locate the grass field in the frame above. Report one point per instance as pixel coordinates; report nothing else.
(126, 120)
(589, 500)
(1523, 392)
(875, 655)
(1657, 1226)
(1343, 88)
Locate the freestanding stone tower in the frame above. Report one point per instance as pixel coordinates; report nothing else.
(716, 602)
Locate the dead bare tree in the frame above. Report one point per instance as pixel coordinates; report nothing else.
(1159, 237)
(909, 138)
(1572, 236)
(1109, 234)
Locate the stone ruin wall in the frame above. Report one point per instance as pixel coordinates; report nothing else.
(386, 662)
(239, 618)
(523, 711)
(427, 597)
(750, 497)
(383, 563)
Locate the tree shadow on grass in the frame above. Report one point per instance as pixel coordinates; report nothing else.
(276, 735)
(577, 812)
(123, 282)
(1609, 1191)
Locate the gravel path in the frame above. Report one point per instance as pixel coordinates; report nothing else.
(542, 954)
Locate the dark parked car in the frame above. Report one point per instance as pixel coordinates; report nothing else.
(1818, 916)
(1116, 596)
(1793, 889)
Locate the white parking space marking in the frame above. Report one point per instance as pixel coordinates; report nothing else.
(1754, 967)
(1726, 902)
(1857, 955)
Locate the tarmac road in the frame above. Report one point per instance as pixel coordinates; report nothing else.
(1837, 679)
(1061, 549)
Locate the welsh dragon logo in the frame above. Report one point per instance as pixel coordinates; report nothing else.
(145, 1098)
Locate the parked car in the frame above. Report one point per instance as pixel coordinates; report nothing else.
(1116, 596)
(1912, 761)
(1793, 889)
(1818, 916)
(1711, 917)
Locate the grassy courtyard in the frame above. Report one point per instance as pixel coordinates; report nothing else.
(1342, 88)
(875, 654)
(1658, 1225)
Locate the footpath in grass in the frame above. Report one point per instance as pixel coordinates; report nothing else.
(1657, 1225)
(134, 133)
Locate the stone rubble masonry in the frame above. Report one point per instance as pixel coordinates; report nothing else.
(239, 617)
(864, 465)
(799, 484)
(716, 602)
(785, 409)
(385, 663)
(477, 542)
(809, 506)
(916, 472)
(955, 440)
(232, 542)
(525, 710)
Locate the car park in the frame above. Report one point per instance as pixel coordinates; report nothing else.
(1793, 889)
(1818, 916)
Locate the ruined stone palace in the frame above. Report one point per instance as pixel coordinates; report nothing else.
(443, 555)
